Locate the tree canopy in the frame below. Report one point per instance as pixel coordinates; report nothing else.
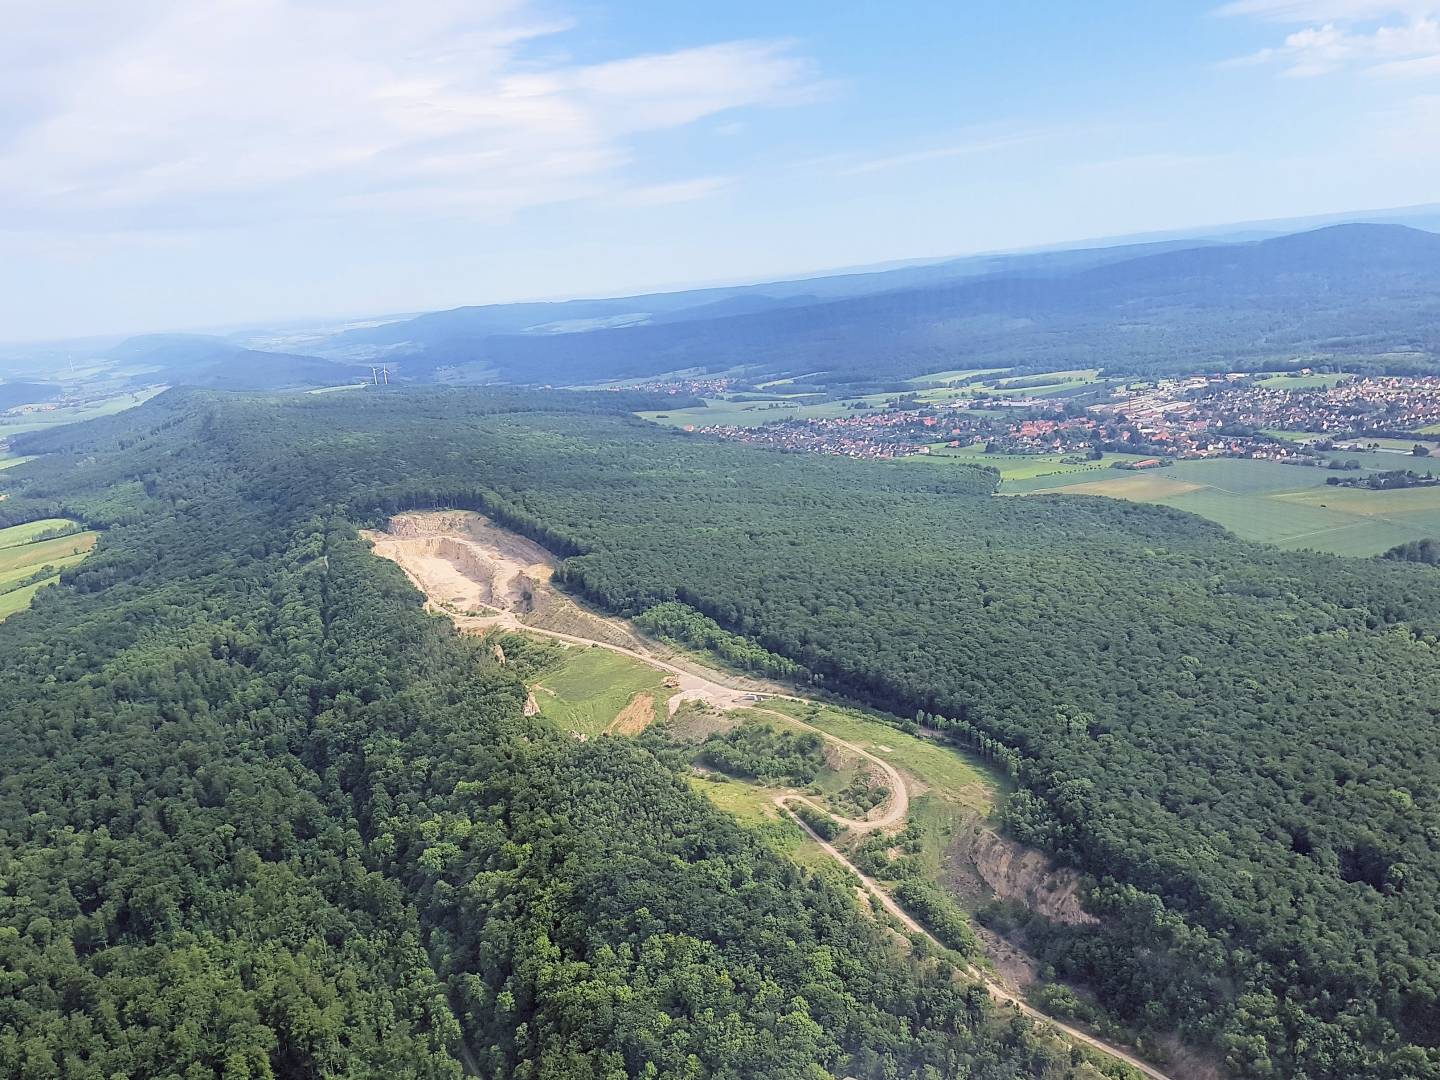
(261, 815)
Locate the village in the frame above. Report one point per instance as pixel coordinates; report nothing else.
(1233, 414)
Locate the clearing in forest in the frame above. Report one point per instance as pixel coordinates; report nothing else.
(1030, 469)
(596, 690)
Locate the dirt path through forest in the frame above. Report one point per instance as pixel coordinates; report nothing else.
(998, 992)
(897, 806)
(490, 557)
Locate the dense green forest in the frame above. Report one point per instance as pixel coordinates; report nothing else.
(1239, 744)
(261, 816)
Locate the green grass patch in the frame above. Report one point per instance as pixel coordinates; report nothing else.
(1286, 505)
(1381, 461)
(1027, 467)
(936, 820)
(1370, 503)
(19, 573)
(19, 599)
(17, 535)
(22, 556)
(751, 803)
(1284, 381)
(721, 413)
(9, 461)
(1298, 436)
(1045, 383)
(1402, 446)
(45, 551)
(1241, 476)
(754, 806)
(594, 686)
(954, 375)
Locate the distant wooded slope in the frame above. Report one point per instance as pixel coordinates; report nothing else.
(1347, 291)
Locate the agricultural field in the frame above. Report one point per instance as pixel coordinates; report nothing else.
(1042, 384)
(1018, 467)
(30, 559)
(595, 690)
(942, 378)
(1285, 505)
(720, 412)
(9, 461)
(1283, 381)
(13, 423)
(934, 389)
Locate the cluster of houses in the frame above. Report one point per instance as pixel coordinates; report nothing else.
(876, 434)
(1202, 416)
(697, 387)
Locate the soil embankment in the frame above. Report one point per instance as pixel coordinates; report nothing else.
(980, 862)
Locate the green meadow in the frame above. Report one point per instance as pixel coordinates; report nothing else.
(941, 768)
(592, 687)
(1283, 381)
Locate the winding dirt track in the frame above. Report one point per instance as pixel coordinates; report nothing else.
(998, 992)
(693, 686)
(895, 813)
(897, 808)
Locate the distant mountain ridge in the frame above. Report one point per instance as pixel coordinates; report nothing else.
(200, 360)
(1350, 289)
(469, 323)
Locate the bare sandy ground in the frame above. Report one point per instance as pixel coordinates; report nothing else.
(485, 578)
(461, 561)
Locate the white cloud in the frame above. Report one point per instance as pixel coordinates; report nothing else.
(162, 112)
(1380, 37)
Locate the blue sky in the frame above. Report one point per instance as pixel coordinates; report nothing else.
(184, 163)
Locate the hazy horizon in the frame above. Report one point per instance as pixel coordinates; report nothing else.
(1430, 212)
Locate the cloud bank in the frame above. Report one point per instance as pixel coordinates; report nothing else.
(1392, 38)
(181, 113)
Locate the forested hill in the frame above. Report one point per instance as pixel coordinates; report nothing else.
(200, 360)
(1240, 745)
(458, 326)
(261, 816)
(1346, 291)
